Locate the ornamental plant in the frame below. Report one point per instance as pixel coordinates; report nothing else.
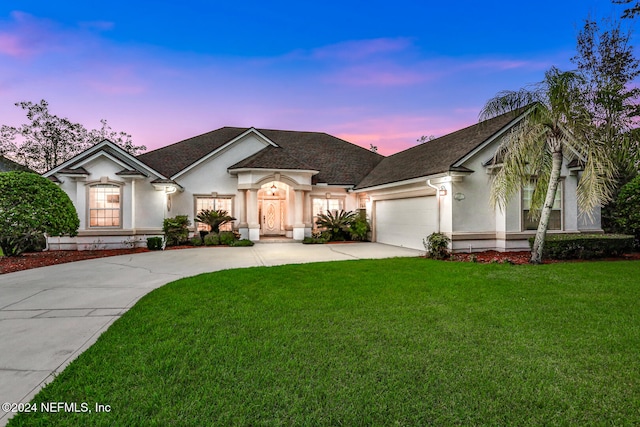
(31, 206)
(437, 246)
(214, 218)
(176, 229)
(359, 228)
(337, 225)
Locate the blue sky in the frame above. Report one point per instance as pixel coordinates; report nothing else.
(381, 73)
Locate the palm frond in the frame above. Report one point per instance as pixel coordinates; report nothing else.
(508, 102)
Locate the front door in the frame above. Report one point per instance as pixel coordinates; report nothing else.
(271, 222)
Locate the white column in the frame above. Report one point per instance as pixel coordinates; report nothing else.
(298, 213)
(241, 212)
(252, 215)
(133, 204)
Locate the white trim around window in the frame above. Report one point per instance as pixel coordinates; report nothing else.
(104, 207)
(224, 202)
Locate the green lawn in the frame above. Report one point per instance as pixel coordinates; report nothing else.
(382, 342)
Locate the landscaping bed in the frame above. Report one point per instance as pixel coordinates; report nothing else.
(43, 259)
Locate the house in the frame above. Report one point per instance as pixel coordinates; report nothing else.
(275, 183)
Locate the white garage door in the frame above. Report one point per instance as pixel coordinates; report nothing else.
(405, 222)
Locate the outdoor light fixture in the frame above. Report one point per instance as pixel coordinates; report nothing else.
(274, 188)
(459, 196)
(443, 190)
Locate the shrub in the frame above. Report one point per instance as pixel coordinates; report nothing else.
(30, 206)
(176, 229)
(242, 242)
(437, 246)
(227, 237)
(585, 246)
(214, 218)
(313, 241)
(197, 241)
(627, 213)
(154, 243)
(338, 226)
(359, 228)
(317, 237)
(212, 239)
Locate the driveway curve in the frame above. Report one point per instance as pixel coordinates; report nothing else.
(49, 315)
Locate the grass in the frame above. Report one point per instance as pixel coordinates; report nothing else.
(382, 342)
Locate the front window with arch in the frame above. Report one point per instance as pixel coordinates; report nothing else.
(104, 205)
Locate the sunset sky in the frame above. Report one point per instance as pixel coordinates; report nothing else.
(371, 72)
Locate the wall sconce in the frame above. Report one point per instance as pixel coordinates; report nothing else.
(274, 188)
(443, 190)
(459, 197)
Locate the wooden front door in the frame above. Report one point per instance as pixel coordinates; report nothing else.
(271, 219)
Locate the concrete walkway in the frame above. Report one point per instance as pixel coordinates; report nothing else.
(49, 315)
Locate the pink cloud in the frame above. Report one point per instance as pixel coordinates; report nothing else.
(12, 45)
(25, 36)
(392, 134)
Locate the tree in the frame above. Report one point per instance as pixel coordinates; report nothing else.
(627, 215)
(122, 139)
(425, 138)
(556, 127)
(606, 60)
(48, 140)
(30, 206)
(632, 11)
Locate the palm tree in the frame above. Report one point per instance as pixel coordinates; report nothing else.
(214, 218)
(556, 126)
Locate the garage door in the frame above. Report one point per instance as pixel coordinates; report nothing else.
(405, 222)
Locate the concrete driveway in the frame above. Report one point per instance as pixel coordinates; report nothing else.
(49, 315)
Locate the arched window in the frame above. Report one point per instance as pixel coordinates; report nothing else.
(104, 205)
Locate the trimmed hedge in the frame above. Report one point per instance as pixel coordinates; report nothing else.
(242, 242)
(154, 243)
(585, 246)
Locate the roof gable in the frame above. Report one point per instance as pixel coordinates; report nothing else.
(108, 149)
(177, 158)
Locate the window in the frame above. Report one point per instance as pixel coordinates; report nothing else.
(555, 219)
(104, 205)
(213, 203)
(321, 206)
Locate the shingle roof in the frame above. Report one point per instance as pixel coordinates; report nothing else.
(271, 158)
(7, 165)
(173, 158)
(339, 161)
(435, 156)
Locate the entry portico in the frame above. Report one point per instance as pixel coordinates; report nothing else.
(277, 202)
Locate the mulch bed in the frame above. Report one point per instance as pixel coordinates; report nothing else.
(519, 258)
(41, 259)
